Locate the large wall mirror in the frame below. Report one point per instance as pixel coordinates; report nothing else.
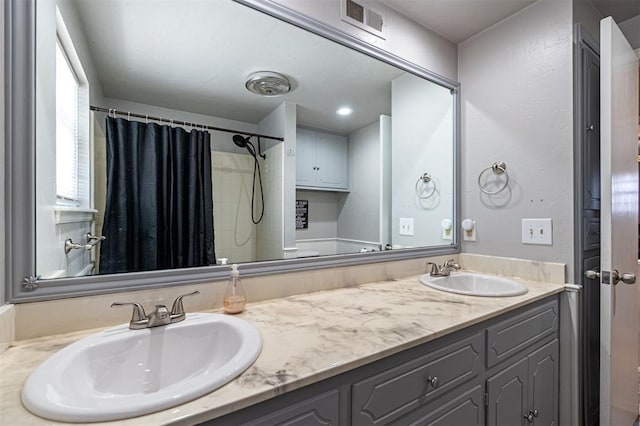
(155, 163)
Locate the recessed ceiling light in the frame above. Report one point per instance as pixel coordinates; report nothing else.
(344, 111)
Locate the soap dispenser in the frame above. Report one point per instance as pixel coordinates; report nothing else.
(234, 297)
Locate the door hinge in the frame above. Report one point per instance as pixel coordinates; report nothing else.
(30, 283)
(486, 399)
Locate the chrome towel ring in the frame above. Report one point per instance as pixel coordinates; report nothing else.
(499, 168)
(425, 179)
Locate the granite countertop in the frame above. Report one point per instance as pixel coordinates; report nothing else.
(306, 339)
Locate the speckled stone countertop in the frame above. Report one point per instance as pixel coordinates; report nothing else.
(306, 338)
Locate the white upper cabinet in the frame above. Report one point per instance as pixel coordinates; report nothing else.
(322, 161)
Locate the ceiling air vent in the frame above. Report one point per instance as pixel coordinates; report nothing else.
(359, 14)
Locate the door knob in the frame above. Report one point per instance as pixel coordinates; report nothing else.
(625, 277)
(592, 275)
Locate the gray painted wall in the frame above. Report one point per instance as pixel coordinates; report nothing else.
(359, 211)
(323, 214)
(422, 142)
(2, 204)
(631, 30)
(517, 107)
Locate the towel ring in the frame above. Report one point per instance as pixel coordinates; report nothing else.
(499, 168)
(425, 179)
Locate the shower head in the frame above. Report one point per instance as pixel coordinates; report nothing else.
(244, 143)
(240, 141)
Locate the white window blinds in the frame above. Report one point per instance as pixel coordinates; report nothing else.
(66, 130)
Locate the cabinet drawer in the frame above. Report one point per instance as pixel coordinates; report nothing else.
(464, 408)
(320, 410)
(395, 392)
(518, 332)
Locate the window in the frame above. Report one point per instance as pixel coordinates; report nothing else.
(67, 139)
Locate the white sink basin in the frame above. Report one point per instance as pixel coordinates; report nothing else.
(475, 284)
(120, 373)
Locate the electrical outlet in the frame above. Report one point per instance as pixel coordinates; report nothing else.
(406, 226)
(537, 231)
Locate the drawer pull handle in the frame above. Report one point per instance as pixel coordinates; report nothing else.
(433, 381)
(532, 414)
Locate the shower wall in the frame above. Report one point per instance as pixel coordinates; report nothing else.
(235, 233)
(278, 176)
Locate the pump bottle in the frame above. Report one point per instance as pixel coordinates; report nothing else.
(234, 297)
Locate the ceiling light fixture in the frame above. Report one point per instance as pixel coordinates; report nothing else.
(344, 111)
(267, 83)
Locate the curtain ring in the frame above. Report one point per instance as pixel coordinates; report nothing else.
(129, 115)
(499, 168)
(425, 179)
(146, 118)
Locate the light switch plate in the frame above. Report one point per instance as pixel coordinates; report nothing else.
(537, 231)
(406, 226)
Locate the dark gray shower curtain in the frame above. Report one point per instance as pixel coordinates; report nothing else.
(159, 207)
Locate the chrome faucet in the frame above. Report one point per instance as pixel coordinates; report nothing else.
(444, 270)
(159, 316)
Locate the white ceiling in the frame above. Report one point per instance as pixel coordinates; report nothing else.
(619, 10)
(457, 20)
(196, 58)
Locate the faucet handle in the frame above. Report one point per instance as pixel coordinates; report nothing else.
(435, 269)
(451, 263)
(138, 310)
(177, 309)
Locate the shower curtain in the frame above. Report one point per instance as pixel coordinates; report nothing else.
(159, 206)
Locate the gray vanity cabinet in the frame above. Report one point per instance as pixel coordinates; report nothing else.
(526, 392)
(522, 387)
(322, 160)
(500, 372)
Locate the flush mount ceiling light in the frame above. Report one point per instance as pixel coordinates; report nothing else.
(344, 111)
(267, 83)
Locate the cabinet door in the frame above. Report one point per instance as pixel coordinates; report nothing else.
(305, 157)
(332, 154)
(507, 399)
(543, 384)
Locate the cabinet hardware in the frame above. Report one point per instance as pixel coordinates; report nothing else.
(433, 381)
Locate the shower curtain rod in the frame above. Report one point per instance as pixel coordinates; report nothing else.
(181, 123)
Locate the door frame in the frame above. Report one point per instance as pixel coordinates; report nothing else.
(583, 40)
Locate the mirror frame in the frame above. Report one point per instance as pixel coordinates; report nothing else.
(20, 234)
